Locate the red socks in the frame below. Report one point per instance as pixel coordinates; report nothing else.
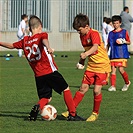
(97, 102)
(42, 102)
(69, 102)
(113, 80)
(125, 77)
(78, 98)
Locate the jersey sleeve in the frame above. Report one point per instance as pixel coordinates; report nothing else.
(127, 37)
(95, 38)
(18, 45)
(44, 35)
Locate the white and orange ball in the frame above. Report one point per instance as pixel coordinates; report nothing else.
(48, 112)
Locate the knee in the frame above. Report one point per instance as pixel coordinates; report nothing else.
(96, 92)
(83, 89)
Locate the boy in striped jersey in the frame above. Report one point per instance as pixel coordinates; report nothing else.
(98, 67)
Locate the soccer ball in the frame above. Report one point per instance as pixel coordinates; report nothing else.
(48, 112)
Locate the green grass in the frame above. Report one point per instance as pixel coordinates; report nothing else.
(18, 95)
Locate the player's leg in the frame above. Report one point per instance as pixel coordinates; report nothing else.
(97, 101)
(78, 97)
(87, 79)
(100, 80)
(125, 77)
(113, 79)
(59, 84)
(80, 94)
(44, 94)
(72, 116)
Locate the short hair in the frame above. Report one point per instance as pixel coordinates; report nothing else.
(34, 22)
(108, 20)
(125, 8)
(80, 20)
(116, 18)
(24, 16)
(104, 19)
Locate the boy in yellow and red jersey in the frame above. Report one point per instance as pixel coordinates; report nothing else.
(98, 67)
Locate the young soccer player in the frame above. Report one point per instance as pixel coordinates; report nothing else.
(117, 41)
(98, 66)
(39, 55)
(22, 30)
(104, 31)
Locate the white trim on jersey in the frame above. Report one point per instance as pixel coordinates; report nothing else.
(50, 60)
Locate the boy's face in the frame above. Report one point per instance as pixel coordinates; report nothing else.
(116, 24)
(26, 19)
(83, 30)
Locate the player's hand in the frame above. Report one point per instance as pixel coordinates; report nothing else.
(50, 50)
(83, 55)
(79, 66)
(120, 41)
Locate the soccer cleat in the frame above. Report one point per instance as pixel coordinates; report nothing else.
(111, 88)
(126, 86)
(34, 112)
(75, 118)
(65, 114)
(93, 117)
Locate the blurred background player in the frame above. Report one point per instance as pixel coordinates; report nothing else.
(109, 28)
(118, 40)
(22, 30)
(98, 67)
(39, 55)
(104, 32)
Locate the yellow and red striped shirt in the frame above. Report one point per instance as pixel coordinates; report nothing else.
(98, 61)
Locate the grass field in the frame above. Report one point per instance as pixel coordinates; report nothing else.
(18, 95)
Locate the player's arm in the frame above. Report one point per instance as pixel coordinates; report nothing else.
(92, 50)
(46, 43)
(7, 45)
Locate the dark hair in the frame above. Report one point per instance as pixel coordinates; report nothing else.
(34, 22)
(80, 20)
(104, 19)
(24, 16)
(108, 20)
(116, 18)
(125, 8)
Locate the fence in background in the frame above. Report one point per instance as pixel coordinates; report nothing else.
(13, 9)
(95, 9)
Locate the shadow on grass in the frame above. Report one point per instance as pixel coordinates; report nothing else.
(24, 115)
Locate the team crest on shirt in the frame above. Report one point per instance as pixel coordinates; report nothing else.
(88, 40)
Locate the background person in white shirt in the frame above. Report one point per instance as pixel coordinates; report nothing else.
(109, 28)
(22, 30)
(104, 32)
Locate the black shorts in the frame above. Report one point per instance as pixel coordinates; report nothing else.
(46, 83)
